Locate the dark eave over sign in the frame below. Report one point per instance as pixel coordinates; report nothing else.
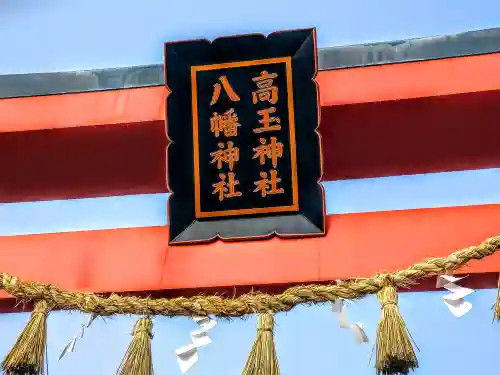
(463, 44)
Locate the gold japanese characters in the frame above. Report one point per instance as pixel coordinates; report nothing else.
(243, 159)
(224, 126)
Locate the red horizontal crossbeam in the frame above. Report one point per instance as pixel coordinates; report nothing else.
(387, 120)
(337, 87)
(359, 140)
(356, 245)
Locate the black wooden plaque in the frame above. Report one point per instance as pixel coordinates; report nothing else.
(244, 159)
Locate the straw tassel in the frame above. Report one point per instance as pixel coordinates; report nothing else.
(138, 359)
(394, 347)
(27, 356)
(262, 359)
(496, 315)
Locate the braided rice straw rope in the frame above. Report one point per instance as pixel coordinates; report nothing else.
(245, 304)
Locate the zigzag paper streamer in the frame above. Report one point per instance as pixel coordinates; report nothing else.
(339, 307)
(70, 346)
(187, 355)
(455, 301)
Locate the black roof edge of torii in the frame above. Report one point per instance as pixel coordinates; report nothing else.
(428, 48)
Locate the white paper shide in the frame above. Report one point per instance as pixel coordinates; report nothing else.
(455, 301)
(340, 308)
(187, 355)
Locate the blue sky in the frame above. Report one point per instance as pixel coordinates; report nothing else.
(54, 35)
(431, 190)
(308, 340)
(58, 35)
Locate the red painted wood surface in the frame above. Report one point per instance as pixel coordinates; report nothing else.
(356, 245)
(344, 86)
(405, 118)
(363, 140)
(434, 134)
(410, 80)
(83, 162)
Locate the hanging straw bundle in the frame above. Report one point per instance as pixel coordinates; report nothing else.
(394, 348)
(27, 356)
(496, 309)
(262, 359)
(138, 359)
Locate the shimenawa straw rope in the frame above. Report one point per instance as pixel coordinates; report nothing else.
(496, 308)
(394, 349)
(248, 303)
(262, 359)
(27, 356)
(138, 359)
